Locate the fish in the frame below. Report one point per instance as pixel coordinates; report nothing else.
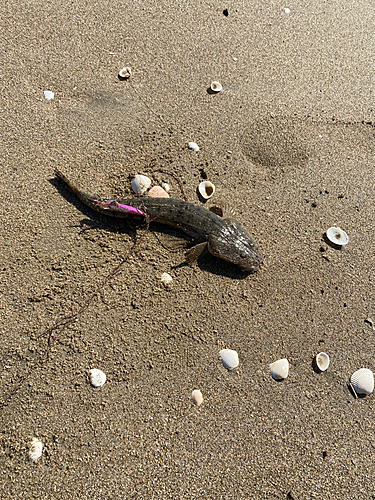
(223, 237)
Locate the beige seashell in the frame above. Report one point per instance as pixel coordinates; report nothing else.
(125, 72)
(157, 192)
(229, 358)
(197, 397)
(362, 381)
(216, 87)
(193, 146)
(322, 361)
(206, 189)
(337, 236)
(97, 377)
(167, 280)
(280, 369)
(36, 449)
(140, 184)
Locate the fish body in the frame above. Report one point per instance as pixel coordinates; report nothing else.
(223, 237)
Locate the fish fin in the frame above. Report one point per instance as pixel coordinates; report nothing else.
(194, 252)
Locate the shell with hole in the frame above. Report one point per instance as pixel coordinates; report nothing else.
(337, 236)
(206, 190)
(280, 369)
(140, 184)
(216, 87)
(125, 72)
(229, 358)
(322, 361)
(197, 397)
(362, 381)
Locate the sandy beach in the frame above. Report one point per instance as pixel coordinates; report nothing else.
(289, 144)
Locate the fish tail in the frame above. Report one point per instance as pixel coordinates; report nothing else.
(86, 198)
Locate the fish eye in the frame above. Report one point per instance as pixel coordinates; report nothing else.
(243, 255)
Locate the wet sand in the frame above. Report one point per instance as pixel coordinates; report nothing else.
(289, 144)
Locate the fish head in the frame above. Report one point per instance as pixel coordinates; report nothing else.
(234, 244)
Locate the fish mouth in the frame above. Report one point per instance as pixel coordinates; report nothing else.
(251, 268)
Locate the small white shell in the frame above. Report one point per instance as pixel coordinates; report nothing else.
(140, 184)
(167, 280)
(166, 187)
(280, 369)
(197, 397)
(337, 236)
(362, 381)
(49, 95)
(97, 377)
(193, 146)
(125, 72)
(322, 361)
(35, 451)
(286, 10)
(229, 358)
(216, 87)
(157, 192)
(206, 189)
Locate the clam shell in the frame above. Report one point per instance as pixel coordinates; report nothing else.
(125, 72)
(362, 381)
(193, 146)
(140, 184)
(337, 236)
(216, 87)
(35, 451)
(97, 377)
(167, 280)
(280, 369)
(157, 192)
(206, 189)
(322, 361)
(229, 358)
(197, 397)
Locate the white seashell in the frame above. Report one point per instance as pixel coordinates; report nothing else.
(193, 146)
(35, 450)
(229, 358)
(167, 280)
(280, 369)
(197, 397)
(337, 236)
(216, 87)
(322, 361)
(362, 381)
(157, 192)
(125, 72)
(166, 187)
(97, 377)
(49, 95)
(206, 189)
(140, 184)
(286, 10)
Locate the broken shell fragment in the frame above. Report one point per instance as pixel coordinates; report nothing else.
(322, 361)
(216, 87)
(362, 381)
(167, 280)
(35, 450)
(280, 369)
(140, 184)
(97, 377)
(206, 189)
(49, 95)
(197, 397)
(229, 358)
(337, 236)
(158, 192)
(166, 187)
(125, 72)
(193, 146)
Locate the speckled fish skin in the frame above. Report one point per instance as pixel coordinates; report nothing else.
(224, 238)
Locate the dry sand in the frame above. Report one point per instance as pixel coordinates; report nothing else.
(289, 143)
